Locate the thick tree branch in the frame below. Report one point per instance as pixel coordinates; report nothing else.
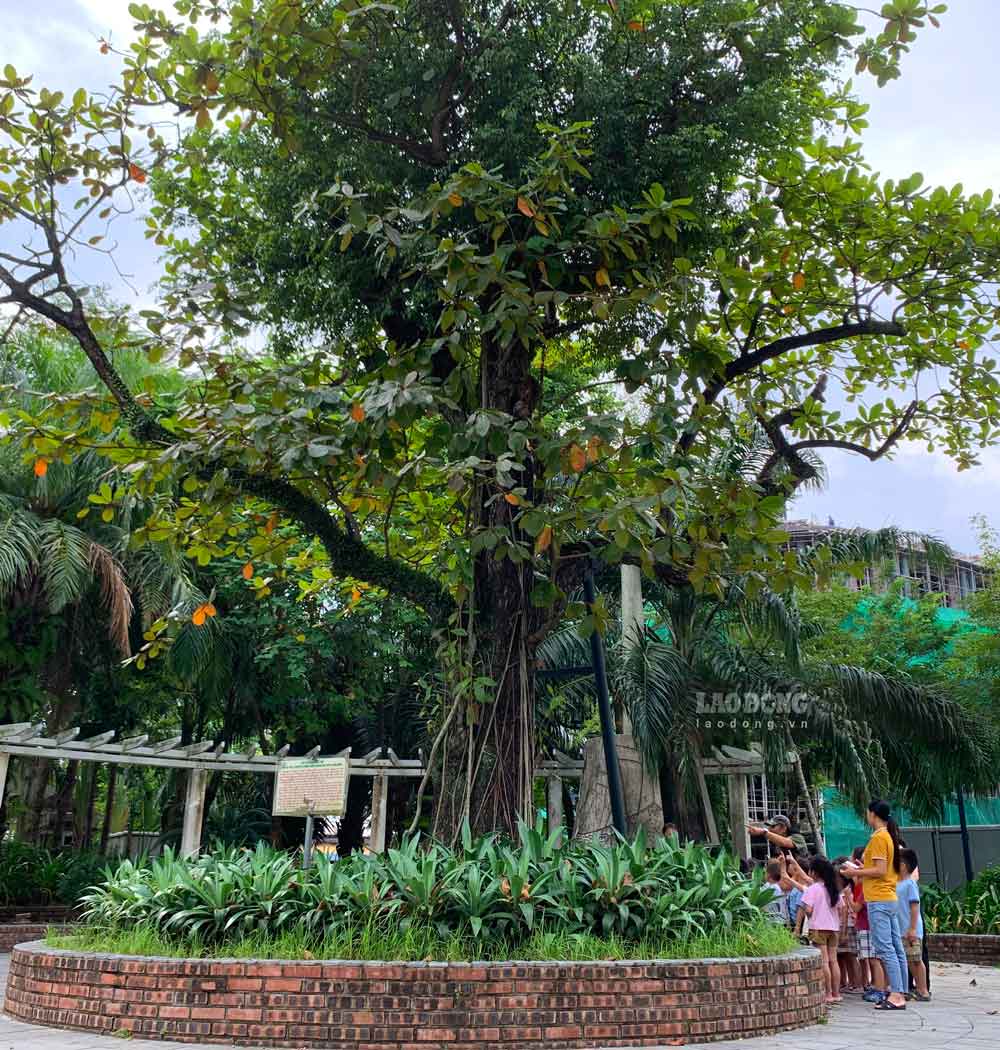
(348, 555)
(741, 366)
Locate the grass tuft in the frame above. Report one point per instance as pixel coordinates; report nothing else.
(372, 943)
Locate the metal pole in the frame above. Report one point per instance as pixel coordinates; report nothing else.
(607, 719)
(307, 848)
(964, 827)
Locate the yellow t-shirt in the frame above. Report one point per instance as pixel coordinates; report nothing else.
(884, 888)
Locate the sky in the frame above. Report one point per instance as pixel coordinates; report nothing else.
(939, 119)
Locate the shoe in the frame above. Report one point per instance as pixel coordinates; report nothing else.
(873, 995)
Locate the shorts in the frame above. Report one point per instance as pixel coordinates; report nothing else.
(827, 937)
(849, 942)
(914, 951)
(865, 949)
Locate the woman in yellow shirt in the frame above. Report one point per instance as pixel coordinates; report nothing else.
(879, 873)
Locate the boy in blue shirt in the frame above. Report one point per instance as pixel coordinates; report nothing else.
(911, 923)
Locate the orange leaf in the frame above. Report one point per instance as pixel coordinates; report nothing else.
(211, 81)
(594, 449)
(577, 458)
(272, 521)
(543, 539)
(512, 498)
(355, 595)
(198, 616)
(525, 207)
(41, 468)
(357, 412)
(788, 310)
(209, 609)
(964, 344)
(636, 26)
(136, 173)
(455, 199)
(601, 277)
(248, 571)
(799, 281)
(105, 49)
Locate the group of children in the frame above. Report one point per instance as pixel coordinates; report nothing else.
(818, 899)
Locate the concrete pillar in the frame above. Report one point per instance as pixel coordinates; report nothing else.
(380, 803)
(194, 812)
(555, 803)
(633, 617)
(739, 814)
(643, 806)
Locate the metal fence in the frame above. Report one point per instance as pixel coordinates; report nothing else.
(939, 850)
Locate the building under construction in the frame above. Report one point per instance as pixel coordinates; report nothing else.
(954, 578)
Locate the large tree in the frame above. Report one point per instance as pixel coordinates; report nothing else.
(427, 204)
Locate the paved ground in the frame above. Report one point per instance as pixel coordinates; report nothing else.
(965, 1015)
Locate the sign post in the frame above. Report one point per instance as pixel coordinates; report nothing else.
(310, 787)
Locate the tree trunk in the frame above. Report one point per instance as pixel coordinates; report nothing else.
(87, 837)
(109, 807)
(492, 762)
(63, 796)
(810, 808)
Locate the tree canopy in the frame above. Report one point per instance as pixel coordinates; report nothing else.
(429, 209)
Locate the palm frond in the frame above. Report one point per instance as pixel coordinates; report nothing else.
(64, 562)
(19, 548)
(115, 595)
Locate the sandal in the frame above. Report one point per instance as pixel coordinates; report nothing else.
(917, 997)
(887, 1004)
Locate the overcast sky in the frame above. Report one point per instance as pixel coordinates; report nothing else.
(939, 119)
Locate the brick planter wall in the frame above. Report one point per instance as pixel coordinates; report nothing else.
(979, 949)
(401, 1006)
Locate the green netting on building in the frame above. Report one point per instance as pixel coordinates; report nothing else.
(844, 828)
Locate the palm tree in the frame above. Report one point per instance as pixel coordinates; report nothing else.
(871, 733)
(66, 565)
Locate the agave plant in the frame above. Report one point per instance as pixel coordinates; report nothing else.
(484, 893)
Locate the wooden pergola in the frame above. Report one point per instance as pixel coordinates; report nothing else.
(27, 740)
(736, 764)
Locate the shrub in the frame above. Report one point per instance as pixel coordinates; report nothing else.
(31, 876)
(482, 894)
(974, 908)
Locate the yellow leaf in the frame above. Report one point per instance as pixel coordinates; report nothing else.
(799, 281)
(602, 278)
(272, 521)
(964, 344)
(357, 412)
(248, 571)
(198, 616)
(541, 227)
(355, 595)
(543, 539)
(300, 637)
(209, 609)
(211, 81)
(577, 458)
(594, 449)
(107, 514)
(788, 310)
(41, 468)
(512, 498)
(454, 199)
(525, 207)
